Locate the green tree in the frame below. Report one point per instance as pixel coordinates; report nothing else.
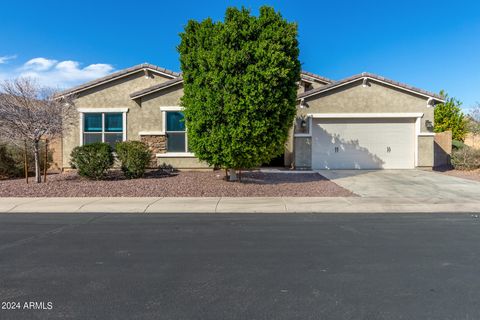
(449, 117)
(239, 87)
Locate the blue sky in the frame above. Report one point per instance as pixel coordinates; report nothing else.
(429, 44)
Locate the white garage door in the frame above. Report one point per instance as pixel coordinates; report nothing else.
(363, 143)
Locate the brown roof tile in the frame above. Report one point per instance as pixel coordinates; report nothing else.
(315, 77)
(172, 82)
(120, 74)
(373, 77)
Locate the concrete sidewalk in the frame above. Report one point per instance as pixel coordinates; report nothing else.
(238, 205)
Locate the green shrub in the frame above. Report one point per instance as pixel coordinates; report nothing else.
(134, 156)
(12, 160)
(466, 158)
(8, 166)
(92, 160)
(457, 144)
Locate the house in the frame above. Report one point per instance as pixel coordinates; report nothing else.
(361, 122)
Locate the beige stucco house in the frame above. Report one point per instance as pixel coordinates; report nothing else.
(362, 122)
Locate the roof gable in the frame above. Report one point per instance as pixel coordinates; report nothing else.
(373, 77)
(312, 77)
(144, 67)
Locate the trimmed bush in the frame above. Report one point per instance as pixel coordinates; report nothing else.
(457, 144)
(92, 160)
(134, 156)
(466, 158)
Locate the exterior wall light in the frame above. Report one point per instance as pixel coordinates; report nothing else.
(429, 125)
(303, 104)
(430, 103)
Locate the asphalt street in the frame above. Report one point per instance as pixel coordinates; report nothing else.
(232, 266)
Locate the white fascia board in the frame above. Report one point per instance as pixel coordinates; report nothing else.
(373, 79)
(162, 73)
(426, 134)
(405, 89)
(95, 110)
(156, 90)
(365, 115)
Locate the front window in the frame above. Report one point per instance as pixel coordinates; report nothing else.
(103, 127)
(176, 132)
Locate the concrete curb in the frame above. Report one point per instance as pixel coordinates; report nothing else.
(239, 205)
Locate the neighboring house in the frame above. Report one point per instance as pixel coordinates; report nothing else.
(362, 122)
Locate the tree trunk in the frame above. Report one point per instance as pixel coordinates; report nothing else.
(45, 165)
(233, 175)
(36, 153)
(25, 159)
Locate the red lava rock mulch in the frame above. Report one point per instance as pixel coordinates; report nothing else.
(179, 184)
(471, 175)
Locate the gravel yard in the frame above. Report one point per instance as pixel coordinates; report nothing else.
(180, 184)
(471, 175)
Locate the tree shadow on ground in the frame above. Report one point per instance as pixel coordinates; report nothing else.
(272, 178)
(117, 175)
(336, 149)
(334, 161)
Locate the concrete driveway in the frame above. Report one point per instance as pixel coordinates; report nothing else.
(404, 184)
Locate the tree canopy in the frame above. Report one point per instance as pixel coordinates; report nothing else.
(30, 113)
(240, 86)
(449, 117)
(474, 119)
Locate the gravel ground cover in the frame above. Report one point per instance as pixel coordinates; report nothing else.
(179, 184)
(471, 175)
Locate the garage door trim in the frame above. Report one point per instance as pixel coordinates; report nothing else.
(366, 115)
(414, 115)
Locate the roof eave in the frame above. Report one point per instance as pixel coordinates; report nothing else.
(118, 75)
(372, 77)
(311, 77)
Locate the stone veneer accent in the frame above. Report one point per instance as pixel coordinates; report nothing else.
(156, 144)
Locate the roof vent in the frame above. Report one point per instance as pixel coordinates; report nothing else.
(365, 82)
(147, 74)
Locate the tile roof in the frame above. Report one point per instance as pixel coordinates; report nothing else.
(306, 74)
(120, 74)
(373, 77)
(172, 82)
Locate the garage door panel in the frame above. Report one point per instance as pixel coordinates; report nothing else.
(363, 143)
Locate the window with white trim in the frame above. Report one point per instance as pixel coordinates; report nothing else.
(176, 131)
(103, 127)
